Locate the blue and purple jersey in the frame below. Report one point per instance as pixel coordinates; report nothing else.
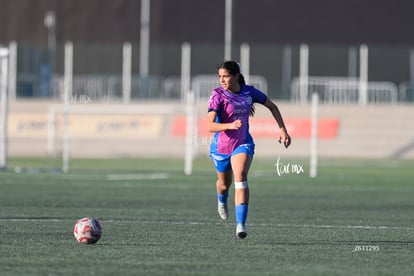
(230, 107)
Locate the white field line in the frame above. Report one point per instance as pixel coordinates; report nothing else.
(136, 176)
(280, 225)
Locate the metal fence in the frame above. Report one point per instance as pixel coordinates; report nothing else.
(342, 90)
(331, 90)
(109, 87)
(98, 68)
(406, 91)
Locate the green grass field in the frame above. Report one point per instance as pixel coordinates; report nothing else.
(355, 218)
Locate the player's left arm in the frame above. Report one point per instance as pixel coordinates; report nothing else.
(284, 136)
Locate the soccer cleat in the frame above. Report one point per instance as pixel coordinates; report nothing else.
(241, 231)
(223, 210)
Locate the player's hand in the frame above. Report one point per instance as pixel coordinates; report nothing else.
(284, 138)
(236, 124)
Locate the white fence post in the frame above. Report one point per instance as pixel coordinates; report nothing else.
(313, 171)
(68, 87)
(303, 73)
(228, 29)
(185, 70)
(190, 136)
(245, 61)
(286, 70)
(12, 70)
(363, 75)
(4, 60)
(126, 72)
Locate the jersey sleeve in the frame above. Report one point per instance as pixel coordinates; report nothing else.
(214, 102)
(258, 96)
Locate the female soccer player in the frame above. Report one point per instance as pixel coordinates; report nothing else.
(232, 146)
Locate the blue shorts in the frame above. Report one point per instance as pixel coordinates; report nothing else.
(222, 161)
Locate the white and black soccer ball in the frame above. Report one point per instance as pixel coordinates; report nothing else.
(87, 230)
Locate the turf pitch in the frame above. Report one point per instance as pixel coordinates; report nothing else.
(355, 218)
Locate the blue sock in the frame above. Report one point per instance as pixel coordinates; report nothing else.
(222, 198)
(241, 213)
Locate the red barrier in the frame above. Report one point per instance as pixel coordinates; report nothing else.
(267, 127)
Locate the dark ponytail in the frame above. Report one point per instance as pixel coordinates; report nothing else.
(241, 80)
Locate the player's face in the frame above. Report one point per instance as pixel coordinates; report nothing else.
(228, 81)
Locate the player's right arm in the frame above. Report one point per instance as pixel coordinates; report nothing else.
(213, 126)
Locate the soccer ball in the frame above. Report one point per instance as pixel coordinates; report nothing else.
(87, 230)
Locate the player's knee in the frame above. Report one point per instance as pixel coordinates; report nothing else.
(222, 184)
